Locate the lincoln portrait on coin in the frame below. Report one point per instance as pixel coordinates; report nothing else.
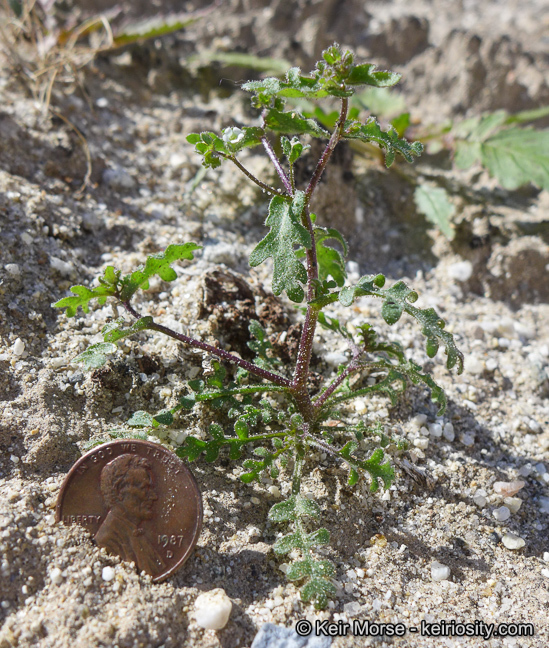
(128, 490)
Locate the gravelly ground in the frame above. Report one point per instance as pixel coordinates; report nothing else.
(496, 427)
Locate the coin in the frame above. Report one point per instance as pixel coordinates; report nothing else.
(138, 500)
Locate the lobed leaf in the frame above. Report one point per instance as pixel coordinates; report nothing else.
(284, 219)
(156, 264)
(319, 591)
(293, 149)
(292, 122)
(336, 75)
(389, 140)
(397, 300)
(95, 356)
(115, 331)
(108, 286)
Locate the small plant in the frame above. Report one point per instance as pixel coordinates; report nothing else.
(311, 271)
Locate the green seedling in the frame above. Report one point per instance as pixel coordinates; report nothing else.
(278, 422)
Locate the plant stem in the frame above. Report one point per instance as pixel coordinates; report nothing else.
(305, 348)
(334, 139)
(248, 174)
(220, 353)
(276, 163)
(351, 367)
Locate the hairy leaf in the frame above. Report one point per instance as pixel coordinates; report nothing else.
(156, 264)
(142, 419)
(371, 132)
(397, 300)
(433, 202)
(260, 346)
(292, 122)
(115, 331)
(286, 231)
(336, 75)
(108, 285)
(319, 591)
(95, 355)
(330, 261)
(293, 149)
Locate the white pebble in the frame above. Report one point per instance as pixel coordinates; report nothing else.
(513, 503)
(107, 574)
(56, 576)
(422, 443)
(435, 430)
(13, 269)
(274, 490)
(546, 556)
(479, 498)
(468, 440)
(418, 421)
(439, 572)
(508, 489)
(474, 365)
(334, 358)
(63, 267)
(360, 406)
(512, 541)
(14, 458)
(460, 271)
(491, 364)
(212, 609)
(501, 514)
(448, 432)
(545, 572)
(18, 347)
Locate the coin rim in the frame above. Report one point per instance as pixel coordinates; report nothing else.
(156, 446)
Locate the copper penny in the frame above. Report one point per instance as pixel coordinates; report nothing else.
(138, 500)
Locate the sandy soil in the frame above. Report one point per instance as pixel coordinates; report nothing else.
(458, 58)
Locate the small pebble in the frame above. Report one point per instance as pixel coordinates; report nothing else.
(18, 347)
(513, 503)
(508, 489)
(512, 541)
(545, 572)
(212, 609)
(448, 432)
(435, 430)
(546, 556)
(474, 365)
(107, 574)
(418, 421)
(12, 269)
(479, 498)
(63, 267)
(501, 514)
(422, 443)
(439, 572)
(56, 576)
(460, 271)
(468, 440)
